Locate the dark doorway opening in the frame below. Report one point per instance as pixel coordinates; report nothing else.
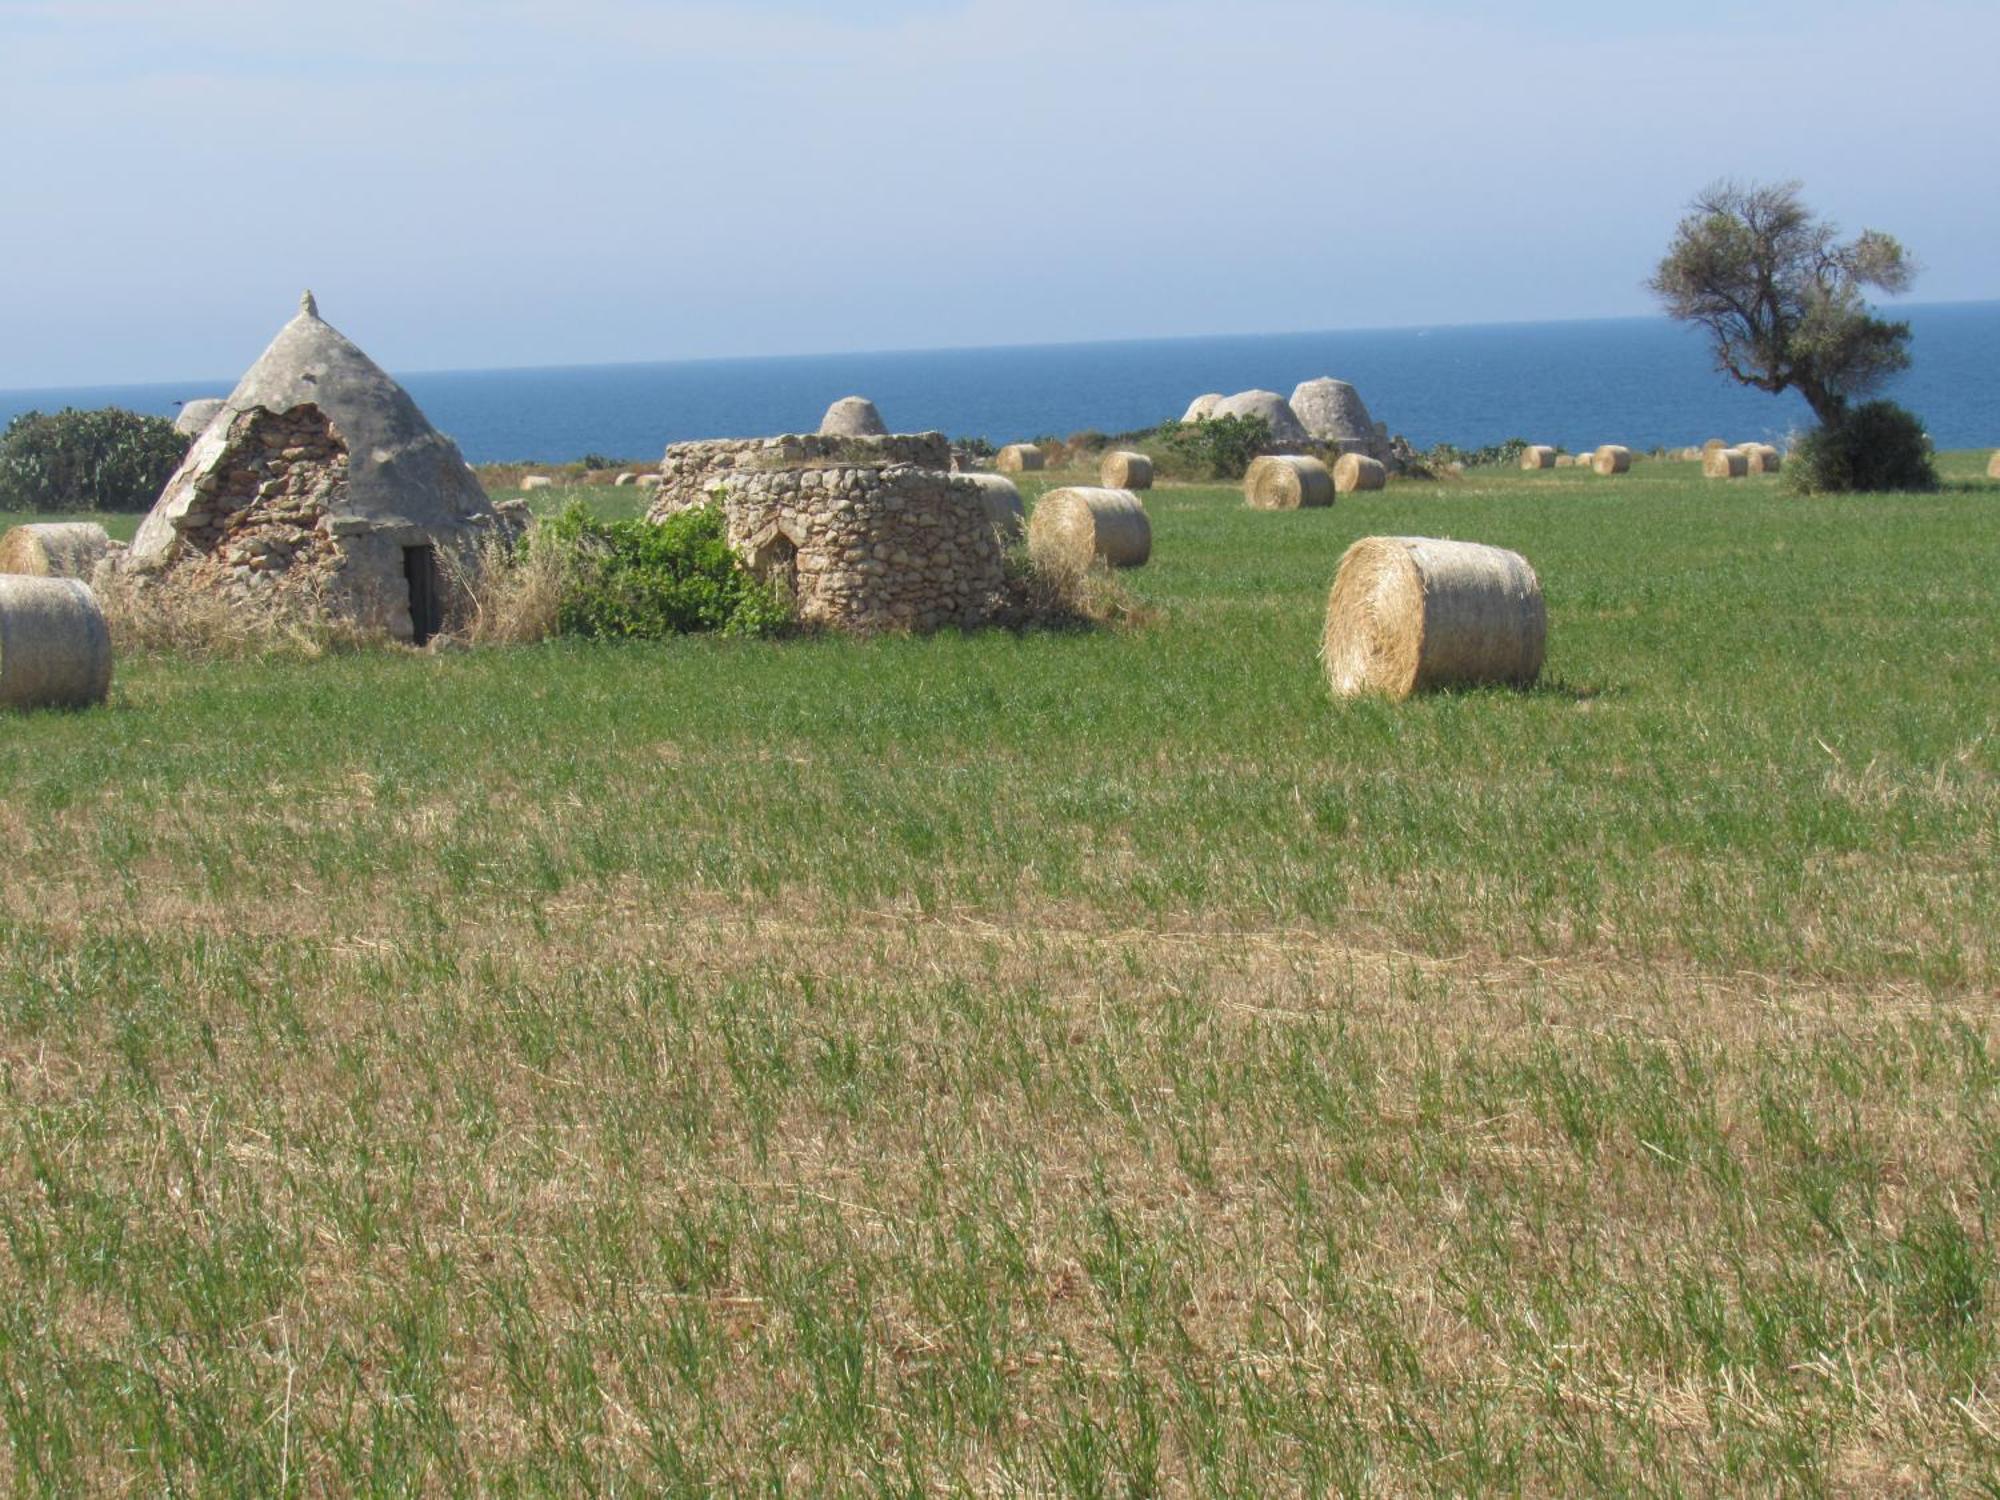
(420, 568)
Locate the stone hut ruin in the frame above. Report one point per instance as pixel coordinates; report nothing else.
(318, 494)
(1333, 414)
(866, 533)
(195, 415)
(853, 416)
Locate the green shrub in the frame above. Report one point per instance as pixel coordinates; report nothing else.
(1222, 447)
(641, 581)
(1876, 446)
(107, 459)
(1506, 454)
(595, 463)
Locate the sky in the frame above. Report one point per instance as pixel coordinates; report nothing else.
(470, 184)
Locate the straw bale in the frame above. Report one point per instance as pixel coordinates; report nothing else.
(55, 650)
(1019, 458)
(61, 549)
(1076, 527)
(1125, 471)
(1279, 481)
(1611, 459)
(1762, 458)
(1540, 456)
(1993, 466)
(1408, 613)
(1003, 504)
(1725, 463)
(1357, 471)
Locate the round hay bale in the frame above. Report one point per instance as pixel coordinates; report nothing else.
(1611, 459)
(1002, 502)
(1762, 458)
(626, 478)
(1993, 466)
(1274, 409)
(1411, 612)
(1725, 463)
(1202, 407)
(1566, 461)
(537, 482)
(1282, 481)
(1125, 471)
(1713, 445)
(1078, 526)
(853, 416)
(1019, 458)
(1539, 456)
(62, 549)
(55, 650)
(1357, 471)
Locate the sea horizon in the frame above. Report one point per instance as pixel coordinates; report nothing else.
(1640, 379)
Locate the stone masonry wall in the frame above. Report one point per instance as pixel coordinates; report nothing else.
(876, 545)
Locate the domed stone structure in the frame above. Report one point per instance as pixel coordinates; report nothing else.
(1333, 413)
(1286, 429)
(853, 416)
(319, 493)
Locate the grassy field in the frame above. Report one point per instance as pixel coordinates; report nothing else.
(1086, 1064)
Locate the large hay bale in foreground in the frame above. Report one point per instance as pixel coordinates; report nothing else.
(1125, 471)
(1003, 504)
(1357, 471)
(55, 650)
(1409, 612)
(1019, 458)
(1762, 458)
(1611, 459)
(60, 549)
(1538, 456)
(1078, 526)
(1283, 481)
(1725, 463)
(853, 416)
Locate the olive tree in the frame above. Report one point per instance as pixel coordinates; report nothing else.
(1780, 295)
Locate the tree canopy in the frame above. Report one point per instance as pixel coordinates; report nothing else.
(1780, 294)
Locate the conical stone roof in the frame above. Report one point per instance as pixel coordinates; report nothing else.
(1332, 412)
(402, 472)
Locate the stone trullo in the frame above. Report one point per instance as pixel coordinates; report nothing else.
(319, 493)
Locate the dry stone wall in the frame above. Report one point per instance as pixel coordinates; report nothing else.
(868, 533)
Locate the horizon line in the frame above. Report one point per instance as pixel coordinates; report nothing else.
(879, 353)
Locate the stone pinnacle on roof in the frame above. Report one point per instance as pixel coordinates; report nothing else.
(307, 304)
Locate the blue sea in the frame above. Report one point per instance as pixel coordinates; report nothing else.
(1638, 381)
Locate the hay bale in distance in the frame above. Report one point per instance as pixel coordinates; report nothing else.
(853, 416)
(1357, 471)
(1078, 526)
(1611, 459)
(60, 549)
(1762, 458)
(1725, 463)
(1409, 612)
(1019, 458)
(1565, 461)
(1993, 466)
(628, 477)
(1538, 456)
(537, 482)
(1003, 504)
(1202, 407)
(1713, 445)
(1283, 481)
(1123, 470)
(55, 650)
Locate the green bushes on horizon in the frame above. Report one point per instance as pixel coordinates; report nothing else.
(87, 460)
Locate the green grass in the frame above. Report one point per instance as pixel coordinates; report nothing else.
(1078, 1063)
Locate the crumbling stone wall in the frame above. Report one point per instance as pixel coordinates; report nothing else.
(264, 530)
(868, 533)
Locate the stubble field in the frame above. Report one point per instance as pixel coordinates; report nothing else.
(1083, 1064)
